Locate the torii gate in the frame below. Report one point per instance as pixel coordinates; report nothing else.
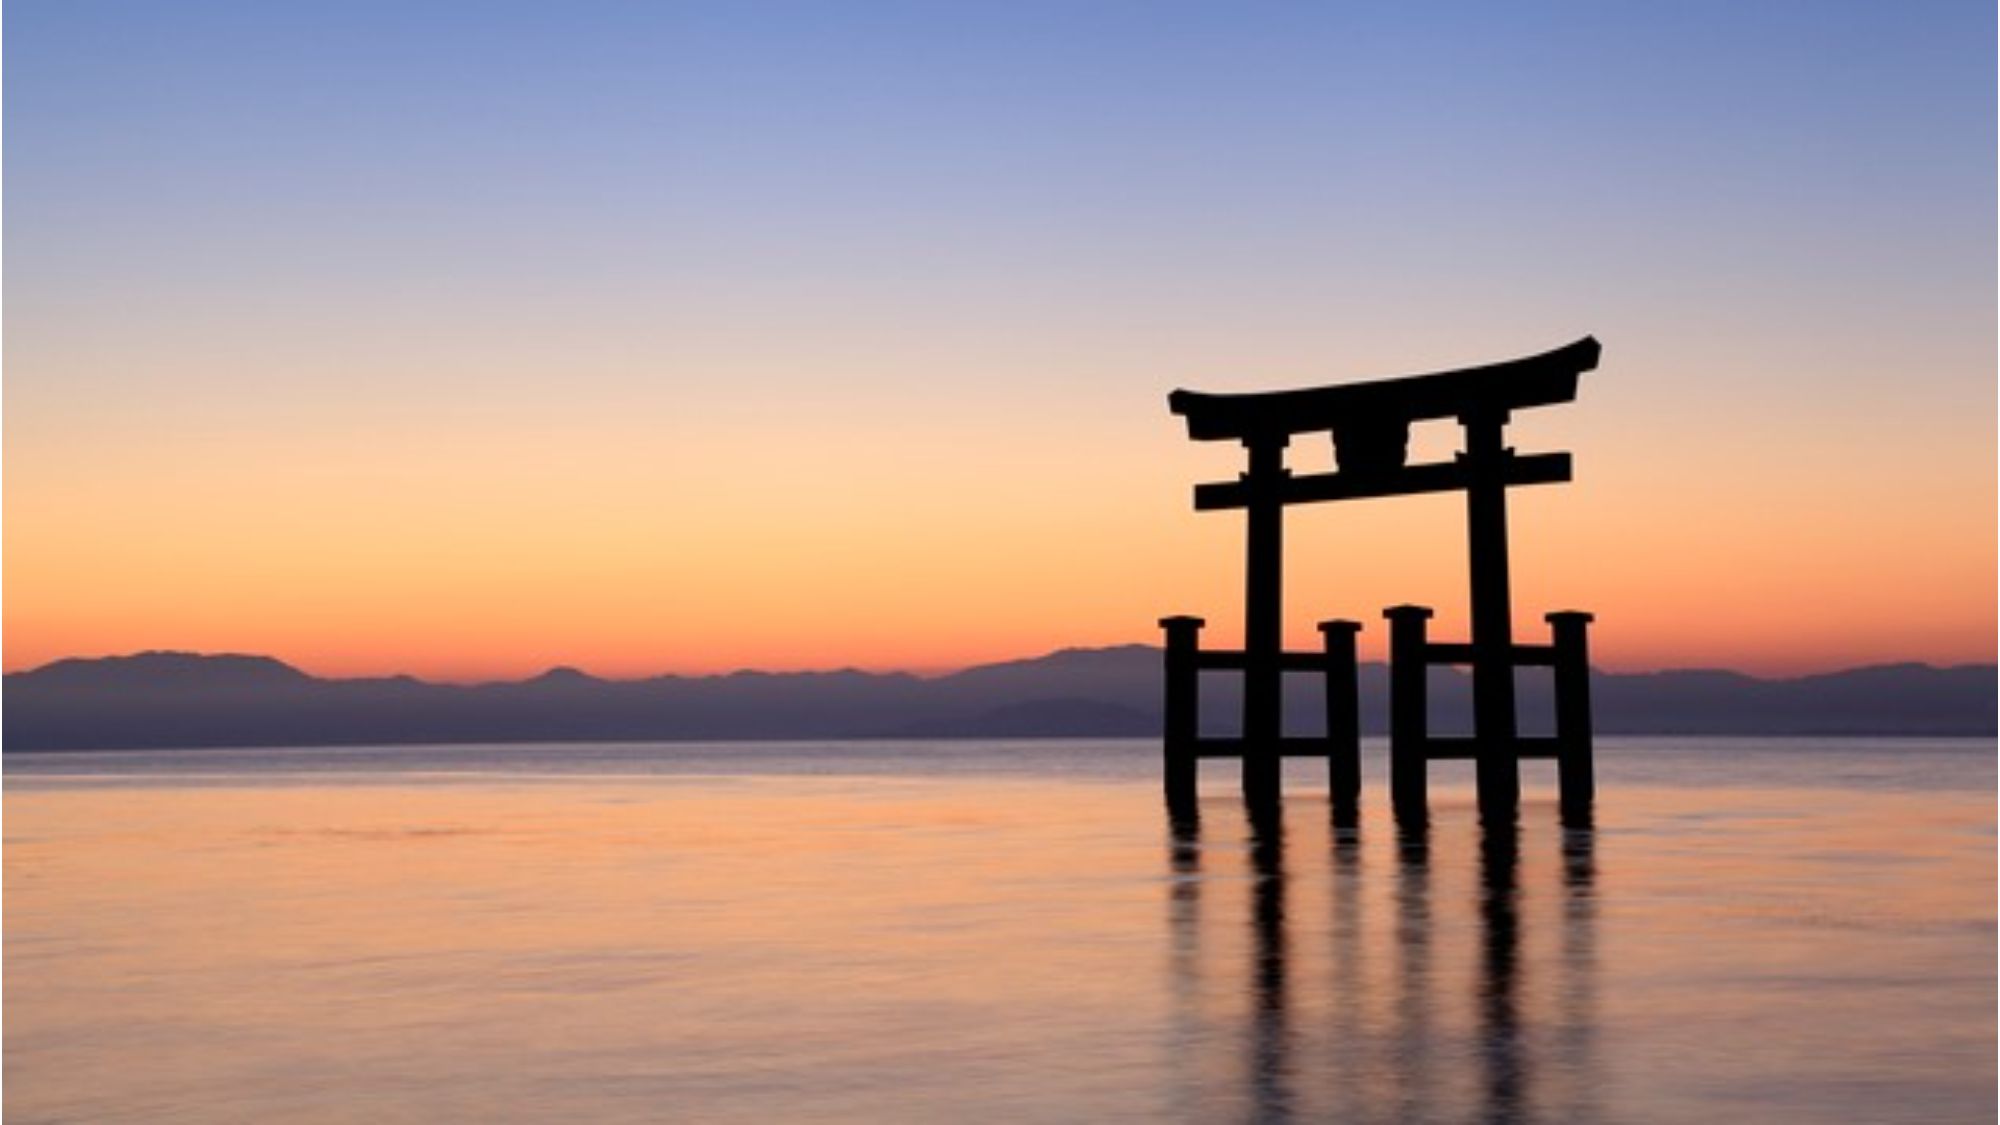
(1370, 425)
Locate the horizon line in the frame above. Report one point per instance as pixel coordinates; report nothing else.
(933, 673)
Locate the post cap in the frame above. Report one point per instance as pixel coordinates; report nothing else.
(1418, 612)
(1182, 621)
(1339, 625)
(1562, 615)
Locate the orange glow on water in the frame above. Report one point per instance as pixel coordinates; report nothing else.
(908, 945)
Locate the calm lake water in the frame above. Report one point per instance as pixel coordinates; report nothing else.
(1769, 931)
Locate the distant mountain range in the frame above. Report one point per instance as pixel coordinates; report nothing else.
(172, 699)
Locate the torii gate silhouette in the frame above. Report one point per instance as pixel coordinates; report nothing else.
(1370, 424)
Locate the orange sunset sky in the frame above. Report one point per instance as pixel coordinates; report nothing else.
(696, 337)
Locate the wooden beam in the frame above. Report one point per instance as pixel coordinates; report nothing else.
(1467, 749)
(1438, 476)
(1536, 380)
(1436, 749)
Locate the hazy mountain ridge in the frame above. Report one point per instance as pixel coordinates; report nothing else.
(165, 699)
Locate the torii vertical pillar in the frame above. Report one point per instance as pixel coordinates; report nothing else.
(1486, 458)
(1573, 751)
(1183, 711)
(1263, 619)
(1343, 718)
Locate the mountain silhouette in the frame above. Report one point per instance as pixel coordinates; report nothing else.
(169, 699)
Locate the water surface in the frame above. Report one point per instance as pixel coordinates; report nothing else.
(1755, 930)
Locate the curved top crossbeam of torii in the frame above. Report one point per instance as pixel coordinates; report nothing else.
(1370, 424)
(1536, 380)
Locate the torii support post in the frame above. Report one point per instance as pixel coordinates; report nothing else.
(1576, 771)
(1409, 709)
(1343, 719)
(1486, 457)
(1183, 710)
(1263, 619)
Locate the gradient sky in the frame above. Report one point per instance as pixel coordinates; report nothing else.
(468, 339)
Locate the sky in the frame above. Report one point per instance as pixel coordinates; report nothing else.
(468, 339)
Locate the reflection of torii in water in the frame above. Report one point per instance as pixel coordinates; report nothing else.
(1370, 426)
(1530, 1037)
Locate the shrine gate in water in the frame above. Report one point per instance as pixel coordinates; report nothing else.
(1369, 424)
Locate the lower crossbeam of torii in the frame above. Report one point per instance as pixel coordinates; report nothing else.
(1369, 424)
